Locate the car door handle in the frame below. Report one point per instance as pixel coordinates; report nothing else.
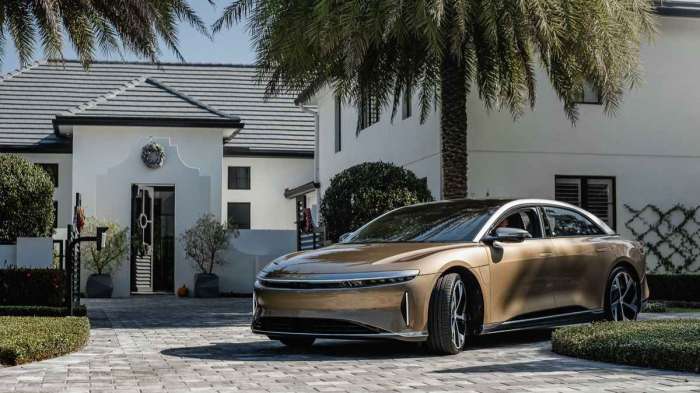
(602, 249)
(546, 254)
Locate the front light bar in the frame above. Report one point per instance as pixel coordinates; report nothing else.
(340, 281)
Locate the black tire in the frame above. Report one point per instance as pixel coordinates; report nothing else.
(300, 342)
(440, 315)
(631, 305)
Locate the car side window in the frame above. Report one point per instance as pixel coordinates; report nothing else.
(565, 222)
(526, 219)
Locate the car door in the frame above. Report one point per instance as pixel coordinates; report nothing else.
(581, 257)
(520, 270)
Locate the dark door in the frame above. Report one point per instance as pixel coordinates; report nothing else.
(153, 238)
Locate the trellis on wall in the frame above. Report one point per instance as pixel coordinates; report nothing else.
(671, 236)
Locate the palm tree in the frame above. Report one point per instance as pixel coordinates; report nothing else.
(381, 49)
(112, 26)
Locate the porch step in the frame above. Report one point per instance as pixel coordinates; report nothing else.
(143, 274)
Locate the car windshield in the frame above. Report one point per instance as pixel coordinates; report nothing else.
(444, 222)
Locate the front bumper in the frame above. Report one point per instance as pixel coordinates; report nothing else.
(394, 311)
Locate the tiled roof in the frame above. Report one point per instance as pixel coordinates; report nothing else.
(31, 98)
(146, 97)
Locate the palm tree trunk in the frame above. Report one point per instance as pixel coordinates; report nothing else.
(453, 127)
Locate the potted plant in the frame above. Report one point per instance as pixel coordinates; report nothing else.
(203, 244)
(103, 262)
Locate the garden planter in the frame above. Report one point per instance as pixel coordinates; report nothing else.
(206, 285)
(99, 285)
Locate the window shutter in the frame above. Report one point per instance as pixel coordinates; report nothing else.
(595, 194)
(568, 190)
(599, 199)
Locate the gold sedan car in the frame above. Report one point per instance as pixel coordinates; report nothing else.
(444, 271)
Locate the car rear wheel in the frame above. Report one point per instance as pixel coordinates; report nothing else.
(623, 298)
(448, 318)
(297, 342)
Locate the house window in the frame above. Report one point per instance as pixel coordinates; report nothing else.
(239, 214)
(239, 178)
(593, 193)
(589, 95)
(406, 105)
(338, 129)
(55, 214)
(369, 111)
(52, 171)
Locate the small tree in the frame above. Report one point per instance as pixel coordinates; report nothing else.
(112, 254)
(205, 240)
(363, 192)
(26, 199)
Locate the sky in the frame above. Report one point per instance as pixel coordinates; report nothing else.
(229, 46)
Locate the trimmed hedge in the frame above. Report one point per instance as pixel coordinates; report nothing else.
(682, 287)
(666, 344)
(39, 311)
(28, 339)
(363, 192)
(26, 199)
(36, 287)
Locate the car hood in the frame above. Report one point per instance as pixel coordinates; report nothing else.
(355, 258)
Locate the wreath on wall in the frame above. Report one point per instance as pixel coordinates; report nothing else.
(153, 155)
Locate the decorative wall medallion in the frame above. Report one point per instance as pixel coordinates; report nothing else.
(153, 155)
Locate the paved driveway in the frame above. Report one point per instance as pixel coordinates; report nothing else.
(156, 344)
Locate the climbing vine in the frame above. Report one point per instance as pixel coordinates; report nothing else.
(670, 236)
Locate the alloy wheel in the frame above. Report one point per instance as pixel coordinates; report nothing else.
(624, 302)
(458, 315)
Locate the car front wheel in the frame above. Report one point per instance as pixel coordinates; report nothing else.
(448, 316)
(623, 296)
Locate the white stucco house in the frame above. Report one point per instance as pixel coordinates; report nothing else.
(227, 152)
(647, 154)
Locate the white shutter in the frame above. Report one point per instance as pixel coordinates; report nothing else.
(568, 189)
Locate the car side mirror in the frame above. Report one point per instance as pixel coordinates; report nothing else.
(344, 236)
(508, 235)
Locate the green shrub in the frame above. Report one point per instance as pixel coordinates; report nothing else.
(28, 339)
(361, 193)
(681, 287)
(667, 344)
(40, 311)
(33, 287)
(26, 199)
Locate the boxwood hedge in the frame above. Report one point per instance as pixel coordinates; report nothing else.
(35, 287)
(667, 344)
(28, 339)
(40, 311)
(365, 191)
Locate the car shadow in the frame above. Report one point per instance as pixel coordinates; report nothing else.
(338, 349)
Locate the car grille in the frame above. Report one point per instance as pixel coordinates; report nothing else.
(310, 326)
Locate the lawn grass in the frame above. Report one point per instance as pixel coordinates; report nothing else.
(28, 339)
(666, 344)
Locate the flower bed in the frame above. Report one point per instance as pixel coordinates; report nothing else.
(667, 344)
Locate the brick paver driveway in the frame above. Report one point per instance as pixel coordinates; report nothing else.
(155, 344)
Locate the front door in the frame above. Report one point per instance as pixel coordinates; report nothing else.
(520, 272)
(153, 238)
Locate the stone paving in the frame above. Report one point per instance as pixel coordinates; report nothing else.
(164, 344)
